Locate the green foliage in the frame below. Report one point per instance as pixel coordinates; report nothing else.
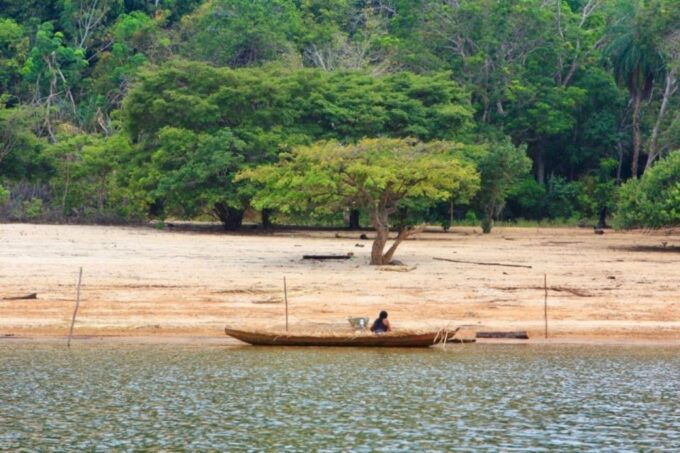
(636, 54)
(4, 195)
(599, 191)
(20, 147)
(137, 40)
(379, 175)
(86, 184)
(562, 198)
(527, 200)
(558, 199)
(85, 21)
(194, 172)
(148, 83)
(259, 112)
(172, 10)
(30, 11)
(32, 209)
(297, 103)
(633, 49)
(383, 176)
(501, 166)
(240, 33)
(652, 201)
(51, 58)
(13, 49)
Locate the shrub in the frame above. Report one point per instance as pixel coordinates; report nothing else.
(562, 198)
(4, 196)
(32, 209)
(527, 200)
(652, 201)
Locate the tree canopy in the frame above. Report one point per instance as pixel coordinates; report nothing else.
(200, 125)
(380, 175)
(182, 95)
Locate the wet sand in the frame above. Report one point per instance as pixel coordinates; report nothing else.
(182, 286)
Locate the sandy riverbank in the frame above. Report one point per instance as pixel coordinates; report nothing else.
(140, 282)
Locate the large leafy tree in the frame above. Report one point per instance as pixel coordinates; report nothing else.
(501, 165)
(379, 175)
(192, 171)
(85, 184)
(269, 110)
(20, 147)
(520, 60)
(13, 49)
(636, 57)
(241, 32)
(53, 69)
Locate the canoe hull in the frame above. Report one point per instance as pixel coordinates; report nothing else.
(423, 340)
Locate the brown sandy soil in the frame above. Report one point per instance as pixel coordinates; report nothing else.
(144, 282)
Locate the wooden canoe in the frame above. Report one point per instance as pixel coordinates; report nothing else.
(370, 340)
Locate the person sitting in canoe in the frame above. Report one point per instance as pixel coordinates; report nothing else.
(381, 324)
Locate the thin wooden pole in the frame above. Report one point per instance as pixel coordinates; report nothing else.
(545, 303)
(75, 311)
(285, 296)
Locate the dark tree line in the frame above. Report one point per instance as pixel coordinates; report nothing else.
(124, 110)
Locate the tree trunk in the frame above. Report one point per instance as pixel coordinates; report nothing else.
(380, 221)
(619, 168)
(602, 221)
(669, 89)
(403, 234)
(354, 219)
(67, 183)
(637, 142)
(231, 218)
(378, 245)
(540, 166)
(487, 222)
(266, 218)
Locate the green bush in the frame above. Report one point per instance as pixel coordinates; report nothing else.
(32, 209)
(562, 198)
(471, 218)
(4, 195)
(652, 201)
(527, 200)
(557, 199)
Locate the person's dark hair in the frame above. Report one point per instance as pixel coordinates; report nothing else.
(383, 315)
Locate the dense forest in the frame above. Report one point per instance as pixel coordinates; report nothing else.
(437, 111)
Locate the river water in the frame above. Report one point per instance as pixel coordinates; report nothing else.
(467, 397)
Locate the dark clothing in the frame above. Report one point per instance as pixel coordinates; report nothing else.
(378, 326)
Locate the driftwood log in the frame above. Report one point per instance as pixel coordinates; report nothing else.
(26, 297)
(519, 335)
(481, 263)
(326, 257)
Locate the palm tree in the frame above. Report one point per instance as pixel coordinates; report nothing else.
(636, 60)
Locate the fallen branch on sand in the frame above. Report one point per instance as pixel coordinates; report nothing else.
(26, 297)
(574, 291)
(326, 257)
(520, 335)
(481, 264)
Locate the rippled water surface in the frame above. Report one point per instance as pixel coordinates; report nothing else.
(99, 397)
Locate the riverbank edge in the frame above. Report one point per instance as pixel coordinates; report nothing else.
(227, 341)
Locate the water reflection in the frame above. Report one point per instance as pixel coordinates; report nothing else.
(468, 397)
